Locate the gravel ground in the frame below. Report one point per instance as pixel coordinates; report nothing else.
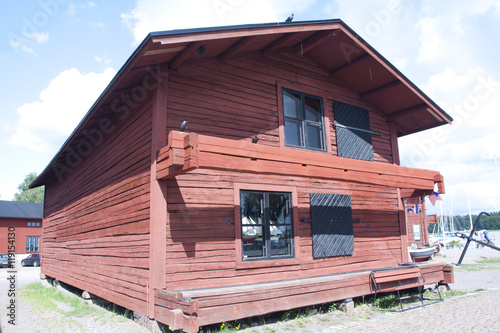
(476, 311)
(473, 312)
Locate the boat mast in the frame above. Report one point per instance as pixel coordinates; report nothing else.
(467, 192)
(498, 176)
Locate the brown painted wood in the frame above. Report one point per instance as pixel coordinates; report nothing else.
(314, 41)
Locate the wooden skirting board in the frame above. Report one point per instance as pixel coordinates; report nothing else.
(190, 309)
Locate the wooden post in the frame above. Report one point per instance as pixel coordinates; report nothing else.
(423, 211)
(158, 193)
(402, 228)
(394, 143)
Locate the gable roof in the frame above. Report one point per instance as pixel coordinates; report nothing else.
(18, 209)
(336, 49)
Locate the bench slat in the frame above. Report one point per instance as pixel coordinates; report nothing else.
(397, 278)
(396, 272)
(400, 276)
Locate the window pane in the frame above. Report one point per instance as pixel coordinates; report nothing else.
(281, 245)
(314, 136)
(291, 105)
(280, 210)
(252, 214)
(293, 133)
(313, 109)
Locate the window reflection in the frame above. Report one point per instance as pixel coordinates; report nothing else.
(266, 225)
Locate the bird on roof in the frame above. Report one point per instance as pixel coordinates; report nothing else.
(290, 18)
(184, 126)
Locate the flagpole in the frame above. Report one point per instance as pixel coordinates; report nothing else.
(467, 192)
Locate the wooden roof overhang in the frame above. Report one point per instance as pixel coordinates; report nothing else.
(340, 54)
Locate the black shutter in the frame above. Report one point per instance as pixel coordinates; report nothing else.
(352, 143)
(332, 233)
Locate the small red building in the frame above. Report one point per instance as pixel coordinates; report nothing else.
(21, 223)
(283, 190)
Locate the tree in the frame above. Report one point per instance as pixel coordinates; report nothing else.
(29, 195)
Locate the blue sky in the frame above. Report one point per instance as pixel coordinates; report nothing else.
(56, 57)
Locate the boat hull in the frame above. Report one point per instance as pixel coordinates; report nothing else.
(422, 254)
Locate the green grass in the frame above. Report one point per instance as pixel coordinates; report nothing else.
(485, 260)
(47, 298)
(387, 301)
(480, 264)
(70, 308)
(452, 293)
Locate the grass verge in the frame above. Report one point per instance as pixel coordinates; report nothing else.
(66, 310)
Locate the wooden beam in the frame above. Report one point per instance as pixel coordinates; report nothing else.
(236, 48)
(341, 69)
(158, 193)
(224, 154)
(402, 228)
(277, 44)
(312, 42)
(412, 193)
(184, 54)
(381, 89)
(405, 112)
(394, 143)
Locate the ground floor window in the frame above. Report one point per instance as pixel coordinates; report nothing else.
(266, 225)
(32, 243)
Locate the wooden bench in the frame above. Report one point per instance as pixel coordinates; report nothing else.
(398, 278)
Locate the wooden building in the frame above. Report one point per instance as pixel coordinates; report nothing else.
(21, 226)
(285, 190)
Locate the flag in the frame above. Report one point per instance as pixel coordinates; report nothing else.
(413, 209)
(435, 195)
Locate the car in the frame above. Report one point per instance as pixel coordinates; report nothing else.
(32, 260)
(4, 260)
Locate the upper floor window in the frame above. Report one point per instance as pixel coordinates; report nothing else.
(33, 224)
(303, 120)
(266, 225)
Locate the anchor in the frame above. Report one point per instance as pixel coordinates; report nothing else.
(470, 238)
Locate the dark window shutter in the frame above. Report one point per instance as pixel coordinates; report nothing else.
(332, 233)
(352, 143)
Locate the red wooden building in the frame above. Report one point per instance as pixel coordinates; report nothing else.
(23, 220)
(285, 190)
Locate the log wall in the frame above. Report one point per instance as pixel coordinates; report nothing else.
(238, 100)
(96, 224)
(201, 233)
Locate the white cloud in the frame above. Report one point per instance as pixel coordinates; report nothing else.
(41, 37)
(20, 45)
(59, 109)
(156, 15)
(467, 146)
(432, 40)
(449, 86)
(103, 60)
(96, 24)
